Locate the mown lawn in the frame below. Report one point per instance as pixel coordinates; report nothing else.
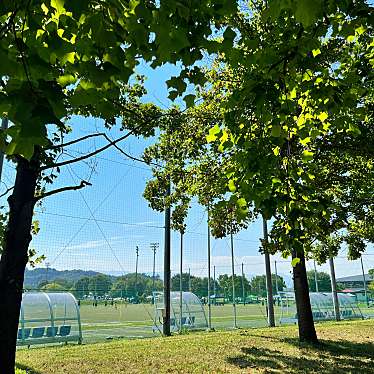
(346, 347)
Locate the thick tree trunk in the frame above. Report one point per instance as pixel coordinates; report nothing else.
(14, 259)
(307, 331)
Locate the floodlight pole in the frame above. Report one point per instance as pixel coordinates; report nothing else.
(136, 273)
(4, 126)
(269, 285)
(154, 247)
(333, 289)
(243, 291)
(233, 277)
(276, 277)
(315, 275)
(209, 305)
(166, 317)
(214, 284)
(189, 280)
(364, 280)
(47, 264)
(181, 284)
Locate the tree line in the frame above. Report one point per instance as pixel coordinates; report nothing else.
(140, 286)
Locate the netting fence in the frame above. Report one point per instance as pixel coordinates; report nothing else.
(105, 246)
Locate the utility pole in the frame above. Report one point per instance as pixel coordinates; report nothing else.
(136, 274)
(243, 290)
(233, 277)
(315, 275)
(209, 305)
(4, 126)
(333, 289)
(166, 316)
(364, 280)
(269, 286)
(181, 285)
(154, 247)
(276, 277)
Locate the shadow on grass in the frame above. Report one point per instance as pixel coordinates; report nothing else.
(328, 357)
(27, 369)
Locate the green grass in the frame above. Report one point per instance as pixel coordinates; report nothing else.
(346, 347)
(135, 320)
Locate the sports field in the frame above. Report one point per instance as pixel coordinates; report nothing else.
(136, 320)
(125, 320)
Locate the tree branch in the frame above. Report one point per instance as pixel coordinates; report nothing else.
(75, 141)
(88, 155)
(128, 155)
(6, 192)
(62, 189)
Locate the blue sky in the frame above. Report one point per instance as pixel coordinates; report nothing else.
(99, 227)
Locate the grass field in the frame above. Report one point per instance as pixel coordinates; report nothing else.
(346, 347)
(136, 320)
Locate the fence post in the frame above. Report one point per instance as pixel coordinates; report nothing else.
(243, 290)
(233, 278)
(209, 306)
(333, 289)
(315, 275)
(181, 284)
(136, 274)
(364, 280)
(166, 317)
(269, 285)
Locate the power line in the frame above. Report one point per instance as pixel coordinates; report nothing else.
(86, 219)
(97, 224)
(98, 219)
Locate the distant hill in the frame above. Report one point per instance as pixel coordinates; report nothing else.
(35, 276)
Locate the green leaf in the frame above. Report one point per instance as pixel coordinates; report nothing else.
(177, 83)
(58, 5)
(354, 129)
(212, 136)
(68, 57)
(307, 11)
(189, 100)
(65, 80)
(316, 52)
(232, 186)
(305, 141)
(351, 38)
(276, 151)
(229, 35)
(173, 95)
(307, 156)
(360, 30)
(323, 116)
(295, 261)
(132, 5)
(276, 131)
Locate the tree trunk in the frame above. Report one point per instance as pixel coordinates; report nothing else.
(307, 331)
(14, 258)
